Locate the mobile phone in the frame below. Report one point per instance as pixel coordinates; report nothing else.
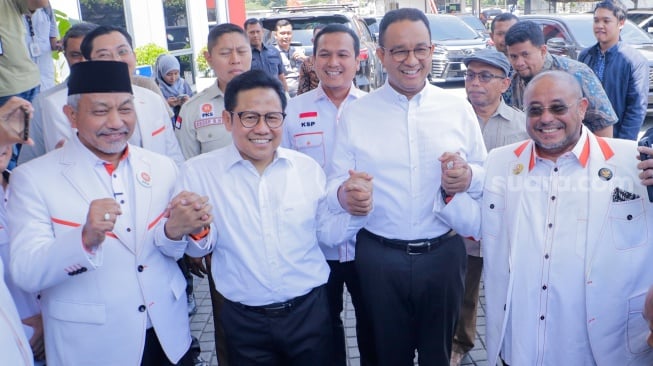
(647, 140)
(25, 124)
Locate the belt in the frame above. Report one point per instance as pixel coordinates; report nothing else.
(278, 308)
(412, 247)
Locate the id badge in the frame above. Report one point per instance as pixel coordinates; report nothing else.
(34, 50)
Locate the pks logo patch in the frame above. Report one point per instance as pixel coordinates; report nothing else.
(206, 110)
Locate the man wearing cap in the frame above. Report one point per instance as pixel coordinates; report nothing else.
(110, 289)
(486, 79)
(153, 129)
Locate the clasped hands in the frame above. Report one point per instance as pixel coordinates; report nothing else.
(355, 194)
(456, 173)
(187, 213)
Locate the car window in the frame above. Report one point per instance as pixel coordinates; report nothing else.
(364, 32)
(637, 18)
(446, 28)
(582, 29)
(554, 31)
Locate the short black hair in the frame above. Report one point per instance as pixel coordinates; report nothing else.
(220, 30)
(398, 15)
(503, 17)
(87, 43)
(78, 30)
(282, 23)
(523, 31)
(251, 80)
(251, 21)
(617, 9)
(338, 28)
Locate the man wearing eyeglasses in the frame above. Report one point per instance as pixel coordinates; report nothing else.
(486, 79)
(270, 212)
(567, 231)
(407, 136)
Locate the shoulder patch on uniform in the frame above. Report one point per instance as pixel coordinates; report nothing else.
(206, 110)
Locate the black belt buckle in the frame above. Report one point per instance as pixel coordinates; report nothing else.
(279, 309)
(418, 248)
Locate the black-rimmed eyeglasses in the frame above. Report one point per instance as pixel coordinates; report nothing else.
(399, 55)
(249, 119)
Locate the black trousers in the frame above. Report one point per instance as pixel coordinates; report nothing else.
(153, 354)
(413, 300)
(344, 273)
(300, 336)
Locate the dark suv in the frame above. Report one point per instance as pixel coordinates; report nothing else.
(304, 19)
(453, 40)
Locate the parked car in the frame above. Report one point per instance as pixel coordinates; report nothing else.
(642, 17)
(454, 40)
(568, 35)
(373, 24)
(304, 18)
(476, 24)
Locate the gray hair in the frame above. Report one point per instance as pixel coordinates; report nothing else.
(73, 100)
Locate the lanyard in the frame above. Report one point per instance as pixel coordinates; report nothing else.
(29, 24)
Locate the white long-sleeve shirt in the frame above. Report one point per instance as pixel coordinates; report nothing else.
(398, 141)
(310, 127)
(266, 227)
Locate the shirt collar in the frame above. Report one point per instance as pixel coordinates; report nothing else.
(354, 93)
(93, 159)
(234, 158)
(581, 150)
(394, 95)
(504, 111)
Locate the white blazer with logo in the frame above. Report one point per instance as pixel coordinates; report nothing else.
(95, 313)
(618, 245)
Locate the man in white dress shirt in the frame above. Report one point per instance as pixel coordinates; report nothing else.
(410, 262)
(269, 212)
(310, 127)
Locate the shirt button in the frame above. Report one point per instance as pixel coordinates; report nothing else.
(491, 206)
(140, 268)
(129, 230)
(544, 287)
(541, 317)
(546, 256)
(553, 198)
(115, 176)
(555, 169)
(122, 202)
(629, 217)
(141, 308)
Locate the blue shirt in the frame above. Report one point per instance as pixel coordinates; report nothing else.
(267, 59)
(626, 83)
